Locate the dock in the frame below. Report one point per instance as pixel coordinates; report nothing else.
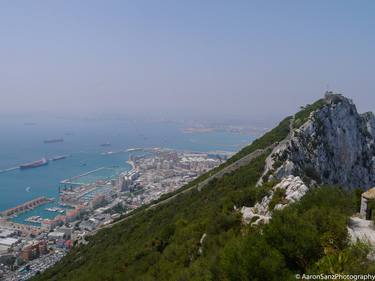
(70, 181)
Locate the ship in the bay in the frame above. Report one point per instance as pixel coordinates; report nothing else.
(34, 164)
(54, 140)
(106, 144)
(60, 157)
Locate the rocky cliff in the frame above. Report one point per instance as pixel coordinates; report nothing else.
(329, 143)
(334, 145)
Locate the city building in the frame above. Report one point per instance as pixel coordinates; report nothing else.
(4, 233)
(56, 235)
(34, 250)
(66, 230)
(8, 242)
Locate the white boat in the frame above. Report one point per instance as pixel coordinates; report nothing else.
(34, 219)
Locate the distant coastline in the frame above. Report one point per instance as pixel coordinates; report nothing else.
(241, 130)
(197, 130)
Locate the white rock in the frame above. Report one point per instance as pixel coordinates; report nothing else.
(294, 188)
(363, 230)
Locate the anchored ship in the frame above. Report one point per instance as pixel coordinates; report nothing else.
(60, 157)
(34, 164)
(54, 140)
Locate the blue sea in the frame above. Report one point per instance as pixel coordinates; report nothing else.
(21, 143)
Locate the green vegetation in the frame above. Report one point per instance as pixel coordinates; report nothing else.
(301, 117)
(118, 209)
(166, 242)
(309, 236)
(275, 135)
(351, 260)
(277, 198)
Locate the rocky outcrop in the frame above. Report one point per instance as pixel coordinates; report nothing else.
(289, 190)
(329, 143)
(361, 230)
(334, 146)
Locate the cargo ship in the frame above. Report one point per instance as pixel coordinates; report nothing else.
(34, 164)
(54, 140)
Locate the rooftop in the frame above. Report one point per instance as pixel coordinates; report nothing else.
(369, 194)
(8, 241)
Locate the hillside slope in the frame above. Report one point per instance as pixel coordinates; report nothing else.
(199, 234)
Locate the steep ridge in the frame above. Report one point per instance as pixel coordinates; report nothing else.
(335, 145)
(198, 232)
(329, 143)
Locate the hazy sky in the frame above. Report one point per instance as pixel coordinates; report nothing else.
(246, 58)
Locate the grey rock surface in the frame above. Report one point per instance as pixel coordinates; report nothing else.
(334, 146)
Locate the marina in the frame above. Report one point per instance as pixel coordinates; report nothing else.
(44, 211)
(34, 219)
(26, 206)
(55, 209)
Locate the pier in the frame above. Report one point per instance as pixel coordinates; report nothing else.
(69, 183)
(29, 205)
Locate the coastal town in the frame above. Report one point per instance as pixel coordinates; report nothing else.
(28, 248)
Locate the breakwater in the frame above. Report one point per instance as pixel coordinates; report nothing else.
(29, 205)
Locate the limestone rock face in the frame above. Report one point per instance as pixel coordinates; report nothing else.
(293, 189)
(334, 146)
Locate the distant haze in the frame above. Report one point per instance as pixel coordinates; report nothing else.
(183, 58)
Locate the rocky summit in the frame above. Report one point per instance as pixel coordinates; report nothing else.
(333, 145)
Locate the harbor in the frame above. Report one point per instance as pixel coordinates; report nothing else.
(49, 210)
(89, 185)
(94, 195)
(96, 199)
(27, 206)
(102, 173)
